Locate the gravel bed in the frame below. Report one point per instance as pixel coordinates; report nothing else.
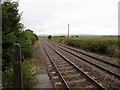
(106, 80)
(75, 78)
(80, 84)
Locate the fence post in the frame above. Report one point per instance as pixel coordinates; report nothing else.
(18, 80)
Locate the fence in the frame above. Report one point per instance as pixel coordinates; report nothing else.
(18, 79)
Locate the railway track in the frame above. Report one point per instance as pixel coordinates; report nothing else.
(105, 76)
(108, 67)
(91, 56)
(70, 74)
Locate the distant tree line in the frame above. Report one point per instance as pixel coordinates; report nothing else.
(66, 36)
(59, 36)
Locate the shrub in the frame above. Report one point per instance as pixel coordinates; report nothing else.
(49, 37)
(29, 68)
(29, 73)
(7, 80)
(101, 45)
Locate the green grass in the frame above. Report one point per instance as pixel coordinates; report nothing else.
(101, 45)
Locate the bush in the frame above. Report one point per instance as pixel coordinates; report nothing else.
(29, 73)
(49, 37)
(7, 80)
(29, 68)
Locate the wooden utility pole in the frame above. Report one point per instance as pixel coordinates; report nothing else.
(68, 30)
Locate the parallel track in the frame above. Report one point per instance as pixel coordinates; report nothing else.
(63, 59)
(117, 75)
(115, 65)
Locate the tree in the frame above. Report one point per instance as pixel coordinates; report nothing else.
(12, 32)
(27, 39)
(11, 28)
(76, 36)
(49, 37)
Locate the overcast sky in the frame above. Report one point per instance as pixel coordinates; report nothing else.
(84, 16)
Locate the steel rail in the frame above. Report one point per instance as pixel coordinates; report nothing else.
(67, 86)
(95, 82)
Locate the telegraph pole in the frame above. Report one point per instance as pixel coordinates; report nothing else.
(68, 30)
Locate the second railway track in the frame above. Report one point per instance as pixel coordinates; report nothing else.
(102, 64)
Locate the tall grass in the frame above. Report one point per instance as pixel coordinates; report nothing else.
(102, 45)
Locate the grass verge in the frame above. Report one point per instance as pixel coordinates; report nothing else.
(29, 68)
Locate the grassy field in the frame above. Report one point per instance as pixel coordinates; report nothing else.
(101, 45)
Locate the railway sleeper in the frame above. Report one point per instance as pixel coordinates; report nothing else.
(53, 72)
(91, 86)
(63, 62)
(73, 78)
(63, 65)
(70, 71)
(76, 81)
(80, 83)
(66, 68)
(55, 77)
(58, 85)
(74, 75)
(49, 65)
